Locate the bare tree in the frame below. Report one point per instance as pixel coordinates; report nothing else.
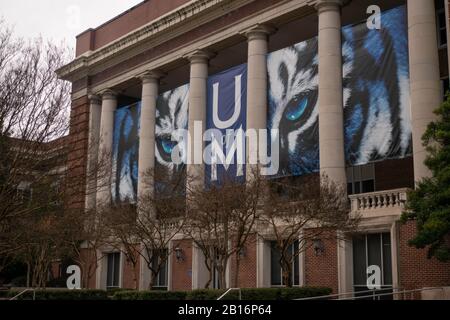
(221, 217)
(296, 214)
(145, 230)
(34, 106)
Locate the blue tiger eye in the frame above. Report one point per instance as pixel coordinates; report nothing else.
(295, 111)
(168, 145)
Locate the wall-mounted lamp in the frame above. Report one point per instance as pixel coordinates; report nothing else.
(319, 247)
(179, 254)
(242, 253)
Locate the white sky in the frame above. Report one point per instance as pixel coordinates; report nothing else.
(59, 20)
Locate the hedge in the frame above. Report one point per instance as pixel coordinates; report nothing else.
(210, 294)
(261, 293)
(203, 294)
(52, 294)
(150, 295)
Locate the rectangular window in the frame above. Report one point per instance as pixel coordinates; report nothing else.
(369, 250)
(361, 179)
(113, 275)
(161, 280)
(275, 266)
(445, 86)
(441, 23)
(24, 192)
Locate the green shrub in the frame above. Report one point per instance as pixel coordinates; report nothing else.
(202, 294)
(52, 294)
(303, 292)
(211, 294)
(149, 295)
(260, 293)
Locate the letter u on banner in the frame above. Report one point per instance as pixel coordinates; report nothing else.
(237, 105)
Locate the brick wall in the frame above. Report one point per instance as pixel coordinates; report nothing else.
(322, 270)
(124, 23)
(182, 270)
(130, 275)
(88, 257)
(77, 153)
(394, 174)
(415, 269)
(247, 268)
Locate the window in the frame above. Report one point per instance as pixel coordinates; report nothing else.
(276, 272)
(441, 23)
(368, 250)
(361, 179)
(216, 280)
(161, 279)
(113, 275)
(445, 86)
(24, 192)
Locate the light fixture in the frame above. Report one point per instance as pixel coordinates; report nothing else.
(242, 252)
(179, 254)
(319, 247)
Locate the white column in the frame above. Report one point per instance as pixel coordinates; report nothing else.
(256, 83)
(150, 87)
(197, 114)
(109, 106)
(331, 111)
(95, 110)
(424, 76)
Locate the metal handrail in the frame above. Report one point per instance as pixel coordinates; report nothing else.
(337, 295)
(228, 291)
(374, 294)
(395, 293)
(23, 292)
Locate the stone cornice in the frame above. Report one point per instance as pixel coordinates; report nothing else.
(79, 67)
(179, 52)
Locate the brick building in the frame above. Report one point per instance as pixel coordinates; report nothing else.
(149, 52)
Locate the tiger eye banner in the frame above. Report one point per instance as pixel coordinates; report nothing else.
(125, 153)
(292, 106)
(171, 121)
(376, 96)
(376, 90)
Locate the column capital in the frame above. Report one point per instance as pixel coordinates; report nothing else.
(94, 98)
(327, 5)
(109, 94)
(151, 76)
(259, 31)
(199, 56)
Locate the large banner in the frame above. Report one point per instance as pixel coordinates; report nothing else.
(171, 121)
(376, 90)
(376, 110)
(226, 124)
(292, 106)
(376, 96)
(125, 153)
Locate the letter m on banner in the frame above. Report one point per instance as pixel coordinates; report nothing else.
(226, 125)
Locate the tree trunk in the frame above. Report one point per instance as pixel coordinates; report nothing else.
(236, 276)
(28, 274)
(286, 271)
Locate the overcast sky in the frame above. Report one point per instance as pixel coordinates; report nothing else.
(60, 19)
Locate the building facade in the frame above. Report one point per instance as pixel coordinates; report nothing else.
(348, 97)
